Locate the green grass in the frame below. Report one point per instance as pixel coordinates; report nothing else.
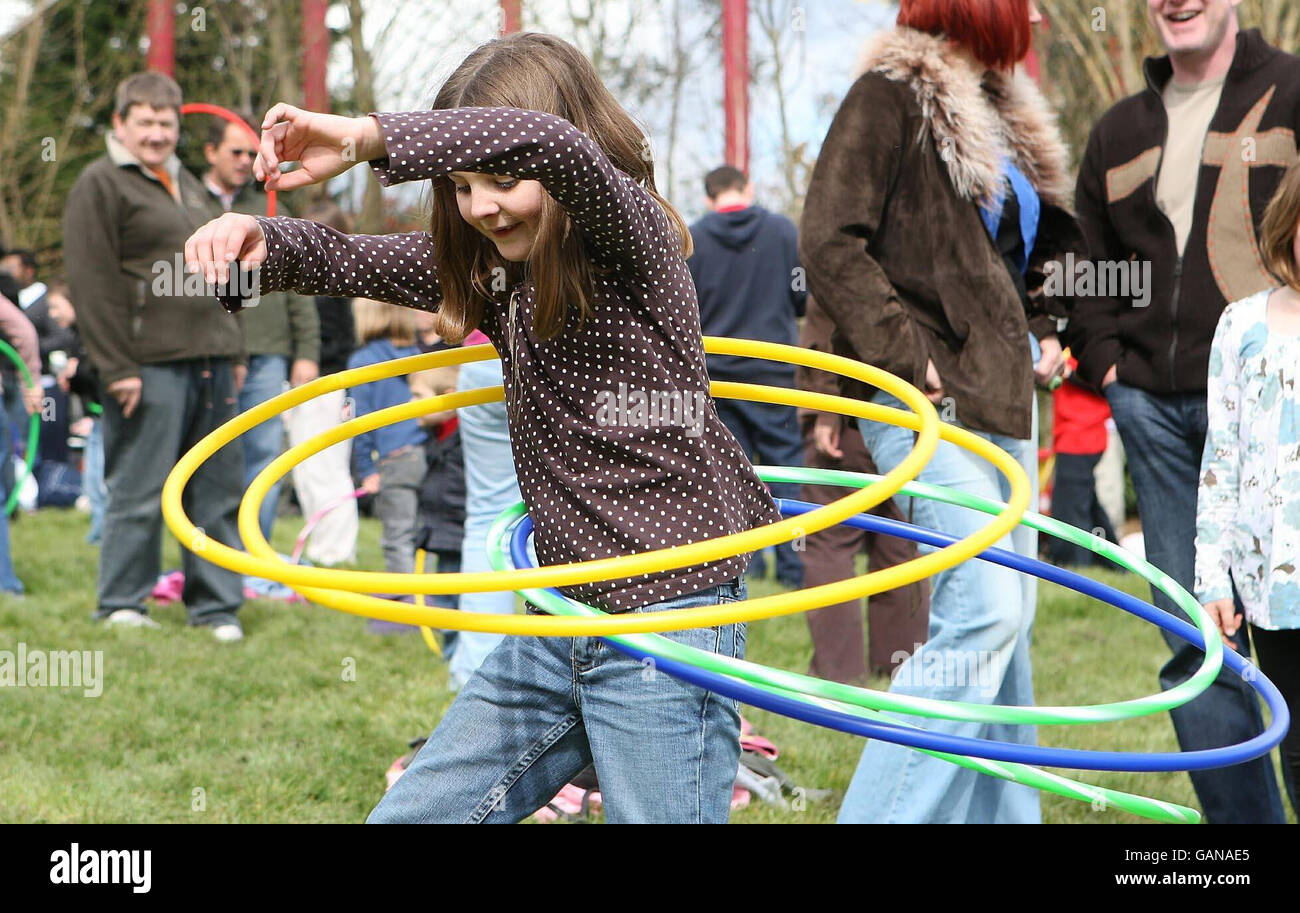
(271, 729)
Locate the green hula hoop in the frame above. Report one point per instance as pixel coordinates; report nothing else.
(984, 713)
(866, 703)
(33, 430)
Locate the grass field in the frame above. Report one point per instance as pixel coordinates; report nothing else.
(271, 729)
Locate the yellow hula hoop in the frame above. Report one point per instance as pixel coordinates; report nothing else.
(425, 631)
(324, 585)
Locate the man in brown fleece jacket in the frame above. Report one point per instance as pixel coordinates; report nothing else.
(167, 356)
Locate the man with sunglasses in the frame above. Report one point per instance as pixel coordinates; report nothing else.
(282, 333)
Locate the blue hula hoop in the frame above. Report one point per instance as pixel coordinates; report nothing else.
(1078, 759)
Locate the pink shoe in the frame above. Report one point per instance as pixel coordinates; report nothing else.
(572, 803)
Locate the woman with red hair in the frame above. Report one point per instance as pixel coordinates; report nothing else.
(938, 201)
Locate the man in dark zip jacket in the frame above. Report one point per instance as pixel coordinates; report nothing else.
(750, 286)
(168, 358)
(1177, 177)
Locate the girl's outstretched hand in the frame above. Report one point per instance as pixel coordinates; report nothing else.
(324, 145)
(217, 244)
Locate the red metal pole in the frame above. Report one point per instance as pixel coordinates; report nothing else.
(315, 55)
(735, 52)
(512, 16)
(161, 26)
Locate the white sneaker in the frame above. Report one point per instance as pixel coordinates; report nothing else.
(228, 634)
(131, 618)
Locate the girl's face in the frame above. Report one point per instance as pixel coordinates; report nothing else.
(501, 208)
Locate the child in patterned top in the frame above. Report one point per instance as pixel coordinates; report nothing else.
(548, 235)
(1248, 508)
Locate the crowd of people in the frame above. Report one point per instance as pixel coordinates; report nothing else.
(939, 213)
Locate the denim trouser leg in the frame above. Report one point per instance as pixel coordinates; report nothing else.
(540, 709)
(55, 420)
(15, 439)
(1074, 501)
(93, 481)
(1164, 437)
(512, 737)
(981, 617)
(995, 799)
(768, 433)
(665, 751)
(267, 377)
(490, 487)
(181, 402)
(9, 582)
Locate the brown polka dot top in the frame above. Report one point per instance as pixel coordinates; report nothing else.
(617, 445)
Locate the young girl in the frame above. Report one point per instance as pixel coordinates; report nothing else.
(390, 459)
(1248, 508)
(548, 235)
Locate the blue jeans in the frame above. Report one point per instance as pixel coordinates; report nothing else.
(9, 582)
(769, 433)
(92, 480)
(267, 377)
(540, 709)
(490, 487)
(1164, 437)
(981, 618)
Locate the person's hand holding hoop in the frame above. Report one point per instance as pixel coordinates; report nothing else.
(1051, 365)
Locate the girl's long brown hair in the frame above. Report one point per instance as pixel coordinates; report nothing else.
(534, 72)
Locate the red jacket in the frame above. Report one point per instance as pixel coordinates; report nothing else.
(1078, 418)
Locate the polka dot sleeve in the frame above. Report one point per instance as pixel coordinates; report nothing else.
(315, 259)
(617, 446)
(622, 224)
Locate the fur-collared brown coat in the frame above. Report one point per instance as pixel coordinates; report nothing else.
(893, 241)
